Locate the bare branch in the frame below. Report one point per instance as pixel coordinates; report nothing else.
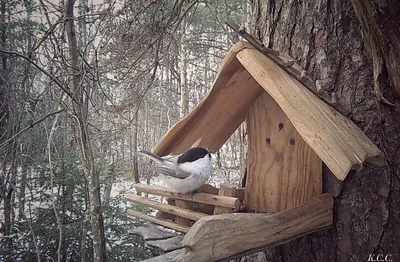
(65, 89)
(31, 126)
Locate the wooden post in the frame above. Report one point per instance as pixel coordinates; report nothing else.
(283, 171)
(225, 190)
(181, 220)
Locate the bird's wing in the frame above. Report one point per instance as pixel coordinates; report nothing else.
(151, 156)
(166, 165)
(170, 169)
(171, 158)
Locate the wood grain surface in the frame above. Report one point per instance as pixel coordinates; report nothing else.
(282, 170)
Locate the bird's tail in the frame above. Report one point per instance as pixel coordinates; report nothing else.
(151, 156)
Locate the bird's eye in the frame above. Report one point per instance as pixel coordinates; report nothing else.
(209, 155)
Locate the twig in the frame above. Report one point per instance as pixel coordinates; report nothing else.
(220, 22)
(42, 70)
(30, 126)
(253, 41)
(275, 56)
(53, 198)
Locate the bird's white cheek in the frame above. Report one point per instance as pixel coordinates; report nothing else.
(202, 165)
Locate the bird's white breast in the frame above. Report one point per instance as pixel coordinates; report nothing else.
(201, 166)
(199, 170)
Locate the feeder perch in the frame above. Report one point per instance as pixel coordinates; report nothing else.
(291, 134)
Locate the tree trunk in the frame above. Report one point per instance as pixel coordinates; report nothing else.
(80, 109)
(4, 108)
(324, 37)
(135, 147)
(21, 191)
(184, 104)
(111, 175)
(133, 144)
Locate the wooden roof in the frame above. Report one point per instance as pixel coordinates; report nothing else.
(244, 73)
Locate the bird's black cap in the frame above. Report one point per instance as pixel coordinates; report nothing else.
(193, 154)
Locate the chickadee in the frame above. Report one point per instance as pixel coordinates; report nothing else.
(186, 172)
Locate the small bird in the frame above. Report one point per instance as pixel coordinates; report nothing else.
(186, 172)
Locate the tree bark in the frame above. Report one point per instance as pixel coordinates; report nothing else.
(184, 104)
(21, 191)
(111, 174)
(4, 108)
(9, 125)
(325, 38)
(380, 23)
(80, 109)
(134, 147)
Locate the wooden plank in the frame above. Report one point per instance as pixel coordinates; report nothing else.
(167, 245)
(167, 257)
(208, 189)
(225, 190)
(166, 216)
(151, 232)
(282, 170)
(238, 192)
(271, 245)
(205, 198)
(177, 211)
(219, 114)
(203, 208)
(339, 143)
(158, 221)
(216, 237)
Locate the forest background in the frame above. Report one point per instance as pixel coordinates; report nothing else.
(84, 85)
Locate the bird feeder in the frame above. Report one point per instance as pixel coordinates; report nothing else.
(291, 134)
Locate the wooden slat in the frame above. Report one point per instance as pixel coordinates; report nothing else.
(224, 191)
(282, 170)
(219, 114)
(205, 198)
(158, 221)
(238, 192)
(177, 211)
(339, 143)
(216, 237)
(208, 189)
(204, 208)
